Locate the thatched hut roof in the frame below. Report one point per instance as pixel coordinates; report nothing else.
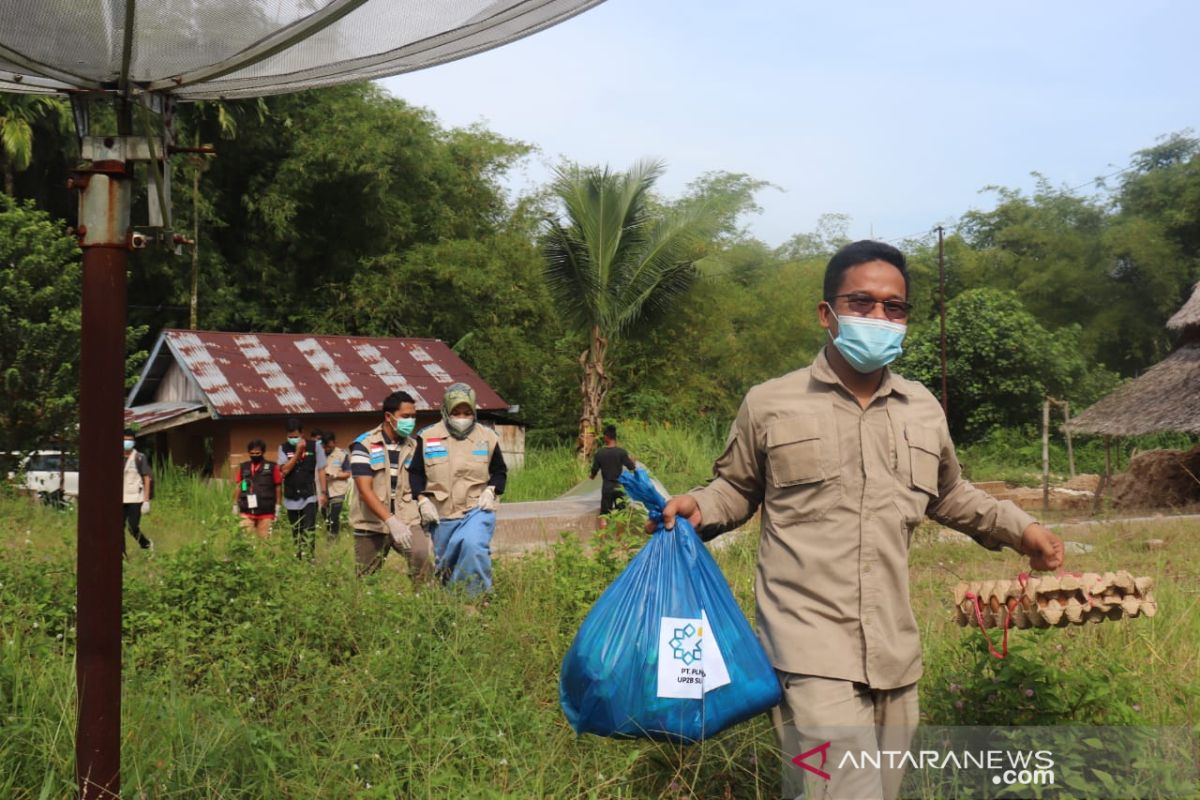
(1189, 315)
(1165, 398)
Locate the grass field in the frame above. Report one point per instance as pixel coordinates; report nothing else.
(251, 675)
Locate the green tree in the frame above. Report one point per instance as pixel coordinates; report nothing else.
(614, 263)
(19, 116)
(39, 329)
(832, 232)
(485, 296)
(1001, 363)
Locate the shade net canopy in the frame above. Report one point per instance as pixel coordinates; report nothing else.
(211, 49)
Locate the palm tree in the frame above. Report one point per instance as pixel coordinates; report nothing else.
(226, 119)
(614, 262)
(18, 114)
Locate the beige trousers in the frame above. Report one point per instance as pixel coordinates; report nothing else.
(370, 549)
(827, 719)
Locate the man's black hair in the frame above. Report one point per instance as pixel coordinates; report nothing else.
(256, 444)
(861, 252)
(293, 424)
(328, 436)
(129, 432)
(610, 432)
(392, 402)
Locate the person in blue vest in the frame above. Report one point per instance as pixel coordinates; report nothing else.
(457, 476)
(302, 462)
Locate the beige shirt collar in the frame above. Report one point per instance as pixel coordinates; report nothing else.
(822, 371)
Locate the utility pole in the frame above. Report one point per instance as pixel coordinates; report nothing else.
(942, 308)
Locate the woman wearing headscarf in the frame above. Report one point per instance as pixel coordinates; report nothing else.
(457, 476)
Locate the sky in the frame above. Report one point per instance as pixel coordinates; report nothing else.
(895, 114)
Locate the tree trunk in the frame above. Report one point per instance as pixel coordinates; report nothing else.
(10, 179)
(194, 313)
(593, 388)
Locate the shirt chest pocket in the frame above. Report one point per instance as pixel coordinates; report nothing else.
(924, 456)
(802, 462)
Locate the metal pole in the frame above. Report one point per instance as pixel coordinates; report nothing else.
(104, 207)
(1045, 455)
(942, 307)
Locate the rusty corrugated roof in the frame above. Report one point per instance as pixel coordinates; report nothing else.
(252, 374)
(154, 413)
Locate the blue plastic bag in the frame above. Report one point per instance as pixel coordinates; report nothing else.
(666, 652)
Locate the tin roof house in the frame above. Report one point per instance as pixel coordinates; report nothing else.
(204, 394)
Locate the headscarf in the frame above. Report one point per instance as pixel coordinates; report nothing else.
(457, 394)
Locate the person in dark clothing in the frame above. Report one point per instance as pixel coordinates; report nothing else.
(302, 462)
(257, 491)
(609, 461)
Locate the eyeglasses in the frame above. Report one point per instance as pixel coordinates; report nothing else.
(864, 304)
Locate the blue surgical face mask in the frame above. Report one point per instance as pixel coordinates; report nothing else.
(867, 343)
(293, 440)
(404, 425)
(128, 445)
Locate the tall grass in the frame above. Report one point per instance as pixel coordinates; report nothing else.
(549, 471)
(679, 457)
(249, 674)
(1015, 455)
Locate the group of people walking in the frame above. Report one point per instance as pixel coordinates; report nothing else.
(430, 495)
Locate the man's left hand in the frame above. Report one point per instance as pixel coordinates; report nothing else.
(1045, 550)
(145, 506)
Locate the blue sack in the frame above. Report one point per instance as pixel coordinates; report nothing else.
(666, 652)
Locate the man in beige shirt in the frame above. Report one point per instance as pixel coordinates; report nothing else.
(846, 458)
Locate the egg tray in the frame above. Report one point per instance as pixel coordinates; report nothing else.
(1045, 601)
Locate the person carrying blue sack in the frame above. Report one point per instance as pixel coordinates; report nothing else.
(458, 475)
(845, 458)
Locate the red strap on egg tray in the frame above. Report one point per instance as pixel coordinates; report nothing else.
(1023, 578)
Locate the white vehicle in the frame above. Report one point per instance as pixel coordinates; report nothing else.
(51, 477)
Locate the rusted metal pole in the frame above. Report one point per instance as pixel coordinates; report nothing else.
(104, 236)
(942, 309)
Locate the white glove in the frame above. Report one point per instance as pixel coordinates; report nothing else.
(236, 511)
(145, 506)
(429, 514)
(487, 500)
(401, 533)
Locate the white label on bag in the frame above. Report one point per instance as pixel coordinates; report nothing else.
(251, 501)
(689, 659)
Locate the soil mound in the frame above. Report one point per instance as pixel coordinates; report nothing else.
(1159, 479)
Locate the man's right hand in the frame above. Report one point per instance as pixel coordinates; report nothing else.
(683, 504)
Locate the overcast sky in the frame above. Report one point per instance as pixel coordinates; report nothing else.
(896, 114)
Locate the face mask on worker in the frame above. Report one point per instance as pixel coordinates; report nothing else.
(461, 425)
(867, 343)
(293, 440)
(404, 425)
(128, 445)
(256, 459)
